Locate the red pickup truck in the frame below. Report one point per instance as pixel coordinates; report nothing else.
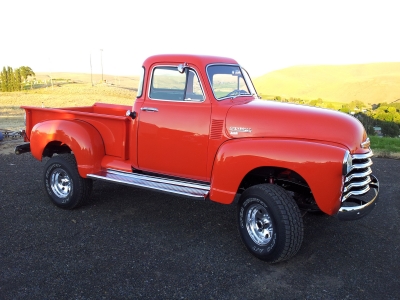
(198, 129)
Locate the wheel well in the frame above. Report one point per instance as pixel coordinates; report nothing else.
(55, 147)
(288, 179)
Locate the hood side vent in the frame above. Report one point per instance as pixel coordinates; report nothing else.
(216, 129)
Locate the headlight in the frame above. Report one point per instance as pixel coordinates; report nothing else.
(347, 163)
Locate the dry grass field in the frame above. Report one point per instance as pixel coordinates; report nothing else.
(369, 83)
(68, 90)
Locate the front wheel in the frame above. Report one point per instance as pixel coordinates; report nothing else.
(63, 184)
(270, 223)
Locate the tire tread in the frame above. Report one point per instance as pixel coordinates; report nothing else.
(84, 187)
(290, 217)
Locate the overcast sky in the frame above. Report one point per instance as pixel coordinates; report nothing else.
(61, 36)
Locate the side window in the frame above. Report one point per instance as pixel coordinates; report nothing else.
(140, 86)
(194, 92)
(169, 84)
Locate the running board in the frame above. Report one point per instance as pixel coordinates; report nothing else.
(172, 186)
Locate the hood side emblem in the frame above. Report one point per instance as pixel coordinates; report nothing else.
(235, 130)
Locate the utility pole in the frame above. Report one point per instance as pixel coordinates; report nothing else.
(101, 60)
(91, 72)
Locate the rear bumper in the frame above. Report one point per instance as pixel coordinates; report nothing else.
(22, 148)
(357, 207)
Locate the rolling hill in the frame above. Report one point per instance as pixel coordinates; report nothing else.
(369, 83)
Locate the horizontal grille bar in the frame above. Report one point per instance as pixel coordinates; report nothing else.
(363, 165)
(358, 175)
(357, 184)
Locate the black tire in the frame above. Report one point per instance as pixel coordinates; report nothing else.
(63, 184)
(270, 223)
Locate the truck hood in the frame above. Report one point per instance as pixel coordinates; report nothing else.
(269, 119)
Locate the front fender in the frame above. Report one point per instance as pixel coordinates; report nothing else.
(319, 164)
(82, 138)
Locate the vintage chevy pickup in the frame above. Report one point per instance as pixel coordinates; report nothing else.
(198, 129)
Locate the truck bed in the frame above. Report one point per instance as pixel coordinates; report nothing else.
(108, 119)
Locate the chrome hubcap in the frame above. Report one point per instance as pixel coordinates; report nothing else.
(259, 225)
(60, 183)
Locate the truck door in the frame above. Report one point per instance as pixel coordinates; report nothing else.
(174, 124)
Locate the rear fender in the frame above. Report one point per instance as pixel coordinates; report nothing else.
(82, 138)
(319, 164)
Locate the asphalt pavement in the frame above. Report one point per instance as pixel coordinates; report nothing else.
(129, 243)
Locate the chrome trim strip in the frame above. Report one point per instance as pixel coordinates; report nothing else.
(358, 175)
(176, 187)
(356, 184)
(162, 180)
(174, 66)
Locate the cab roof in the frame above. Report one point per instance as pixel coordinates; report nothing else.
(197, 60)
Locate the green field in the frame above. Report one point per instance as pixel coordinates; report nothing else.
(385, 146)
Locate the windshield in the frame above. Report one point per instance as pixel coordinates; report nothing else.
(229, 81)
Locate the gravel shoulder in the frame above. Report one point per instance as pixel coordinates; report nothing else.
(132, 243)
(7, 146)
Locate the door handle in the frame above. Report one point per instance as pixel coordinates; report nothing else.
(151, 109)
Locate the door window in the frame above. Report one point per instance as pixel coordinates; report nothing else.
(169, 84)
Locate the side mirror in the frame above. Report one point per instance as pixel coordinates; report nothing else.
(131, 114)
(181, 67)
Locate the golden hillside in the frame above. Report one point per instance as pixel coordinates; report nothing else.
(370, 83)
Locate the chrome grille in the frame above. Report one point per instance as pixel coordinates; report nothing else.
(357, 181)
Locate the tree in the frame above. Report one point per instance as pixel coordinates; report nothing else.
(317, 102)
(345, 108)
(330, 106)
(26, 71)
(390, 129)
(4, 80)
(10, 79)
(356, 104)
(367, 121)
(17, 81)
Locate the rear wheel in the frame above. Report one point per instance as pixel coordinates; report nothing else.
(270, 223)
(63, 184)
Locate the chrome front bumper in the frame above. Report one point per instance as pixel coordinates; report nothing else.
(354, 208)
